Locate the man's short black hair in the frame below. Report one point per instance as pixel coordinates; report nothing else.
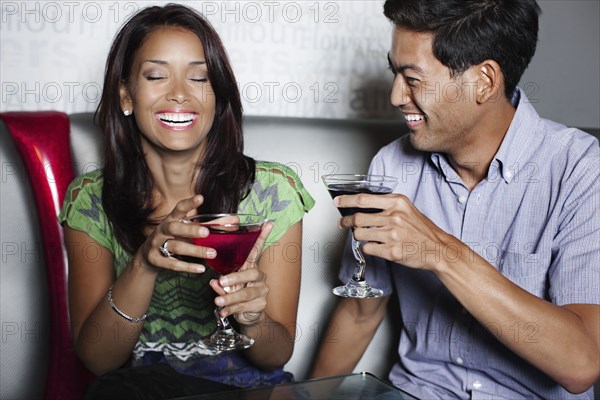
(467, 32)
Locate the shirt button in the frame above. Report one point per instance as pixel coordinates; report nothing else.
(462, 199)
(508, 174)
(459, 361)
(477, 385)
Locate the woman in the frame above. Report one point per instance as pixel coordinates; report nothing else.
(172, 115)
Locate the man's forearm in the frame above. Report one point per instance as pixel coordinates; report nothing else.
(554, 339)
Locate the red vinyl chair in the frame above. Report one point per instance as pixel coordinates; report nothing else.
(42, 140)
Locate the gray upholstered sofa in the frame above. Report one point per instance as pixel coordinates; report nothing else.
(311, 147)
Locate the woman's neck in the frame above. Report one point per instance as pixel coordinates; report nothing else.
(174, 177)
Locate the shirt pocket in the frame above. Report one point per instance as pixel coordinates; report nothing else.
(528, 271)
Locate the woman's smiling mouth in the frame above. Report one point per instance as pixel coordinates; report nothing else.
(177, 120)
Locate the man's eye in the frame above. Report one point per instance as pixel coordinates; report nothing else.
(411, 81)
(199, 79)
(154, 78)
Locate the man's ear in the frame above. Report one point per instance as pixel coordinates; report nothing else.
(126, 102)
(490, 81)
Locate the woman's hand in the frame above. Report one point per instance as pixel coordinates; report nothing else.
(172, 233)
(243, 294)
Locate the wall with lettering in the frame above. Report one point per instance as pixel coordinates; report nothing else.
(324, 59)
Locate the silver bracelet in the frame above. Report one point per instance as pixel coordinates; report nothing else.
(129, 318)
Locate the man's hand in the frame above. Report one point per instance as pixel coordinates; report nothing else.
(400, 233)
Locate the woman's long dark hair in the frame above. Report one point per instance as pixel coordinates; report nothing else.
(226, 175)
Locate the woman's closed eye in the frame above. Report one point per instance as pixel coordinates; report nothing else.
(198, 73)
(154, 75)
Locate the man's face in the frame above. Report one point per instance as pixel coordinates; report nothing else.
(440, 111)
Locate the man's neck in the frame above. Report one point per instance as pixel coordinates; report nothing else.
(472, 161)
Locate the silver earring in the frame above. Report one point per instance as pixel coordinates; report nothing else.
(127, 113)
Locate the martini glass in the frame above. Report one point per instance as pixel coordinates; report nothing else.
(348, 184)
(233, 236)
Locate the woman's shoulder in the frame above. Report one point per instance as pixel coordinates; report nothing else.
(271, 172)
(276, 179)
(85, 190)
(82, 210)
(89, 181)
(278, 194)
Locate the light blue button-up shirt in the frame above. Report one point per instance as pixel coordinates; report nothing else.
(536, 218)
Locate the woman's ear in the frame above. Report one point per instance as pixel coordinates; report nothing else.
(490, 81)
(126, 102)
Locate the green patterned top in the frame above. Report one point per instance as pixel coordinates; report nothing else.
(181, 309)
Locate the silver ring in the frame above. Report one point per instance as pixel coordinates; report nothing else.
(163, 249)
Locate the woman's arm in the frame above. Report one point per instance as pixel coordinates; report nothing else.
(355, 322)
(276, 335)
(104, 339)
(267, 307)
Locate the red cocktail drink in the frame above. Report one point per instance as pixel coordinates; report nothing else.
(233, 236)
(232, 247)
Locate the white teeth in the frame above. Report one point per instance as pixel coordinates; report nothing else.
(176, 117)
(413, 117)
(177, 124)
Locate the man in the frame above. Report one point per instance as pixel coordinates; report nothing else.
(492, 238)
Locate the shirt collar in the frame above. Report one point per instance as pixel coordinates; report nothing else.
(511, 154)
(440, 161)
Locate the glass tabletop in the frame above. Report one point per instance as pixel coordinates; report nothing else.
(345, 387)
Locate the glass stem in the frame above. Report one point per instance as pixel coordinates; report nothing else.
(359, 271)
(222, 322)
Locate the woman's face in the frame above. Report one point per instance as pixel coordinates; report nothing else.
(169, 92)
